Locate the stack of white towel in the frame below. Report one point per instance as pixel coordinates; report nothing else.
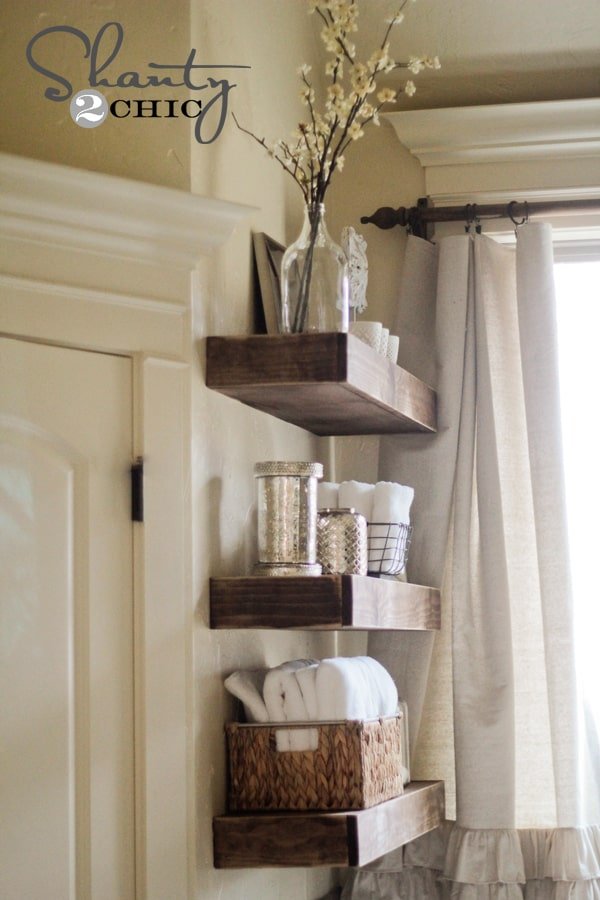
(310, 690)
(385, 501)
(381, 504)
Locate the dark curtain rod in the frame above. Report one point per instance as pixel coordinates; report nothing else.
(418, 217)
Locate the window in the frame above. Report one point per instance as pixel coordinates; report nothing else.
(578, 314)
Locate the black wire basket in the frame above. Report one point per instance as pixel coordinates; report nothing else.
(387, 544)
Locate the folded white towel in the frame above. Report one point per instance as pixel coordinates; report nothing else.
(247, 686)
(307, 682)
(354, 688)
(392, 502)
(306, 690)
(285, 703)
(327, 495)
(358, 495)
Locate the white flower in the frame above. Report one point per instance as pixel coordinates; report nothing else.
(409, 88)
(334, 67)
(355, 131)
(380, 59)
(387, 95)
(359, 72)
(335, 92)
(304, 69)
(362, 80)
(339, 163)
(307, 95)
(416, 65)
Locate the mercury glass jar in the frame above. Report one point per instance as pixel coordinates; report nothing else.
(287, 517)
(342, 542)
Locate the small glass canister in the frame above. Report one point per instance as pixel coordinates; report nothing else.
(287, 516)
(342, 542)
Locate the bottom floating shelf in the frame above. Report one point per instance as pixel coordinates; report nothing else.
(355, 838)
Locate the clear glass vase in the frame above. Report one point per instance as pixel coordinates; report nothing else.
(314, 279)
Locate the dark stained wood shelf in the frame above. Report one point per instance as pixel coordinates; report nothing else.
(255, 840)
(327, 602)
(330, 384)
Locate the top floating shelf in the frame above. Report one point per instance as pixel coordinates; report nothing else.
(330, 384)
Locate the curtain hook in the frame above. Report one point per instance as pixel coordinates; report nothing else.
(525, 218)
(472, 219)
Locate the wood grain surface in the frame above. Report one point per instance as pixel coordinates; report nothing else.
(250, 840)
(327, 602)
(328, 383)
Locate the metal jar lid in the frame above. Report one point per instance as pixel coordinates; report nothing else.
(295, 469)
(287, 569)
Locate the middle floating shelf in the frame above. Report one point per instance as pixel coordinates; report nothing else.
(326, 602)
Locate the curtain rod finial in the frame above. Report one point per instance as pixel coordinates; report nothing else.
(385, 217)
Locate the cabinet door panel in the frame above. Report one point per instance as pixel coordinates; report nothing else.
(66, 645)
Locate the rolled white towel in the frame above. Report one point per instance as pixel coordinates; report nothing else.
(247, 686)
(327, 495)
(383, 342)
(285, 703)
(392, 502)
(393, 347)
(354, 688)
(359, 495)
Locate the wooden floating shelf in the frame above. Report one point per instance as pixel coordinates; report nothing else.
(326, 602)
(327, 383)
(255, 840)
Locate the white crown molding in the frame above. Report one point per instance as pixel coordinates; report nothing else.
(511, 132)
(590, 192)
(87, 210)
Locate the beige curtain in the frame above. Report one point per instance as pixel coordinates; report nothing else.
(497, 701)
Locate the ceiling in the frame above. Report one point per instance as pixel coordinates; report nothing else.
(492, 51)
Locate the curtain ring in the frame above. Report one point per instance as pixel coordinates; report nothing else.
(525, 218)
(472, 218)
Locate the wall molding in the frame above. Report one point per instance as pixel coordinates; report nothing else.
(90, 295)
(87, 210)
(569, 193)
(500, 133)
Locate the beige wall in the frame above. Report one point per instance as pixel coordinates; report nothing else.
(154, 150)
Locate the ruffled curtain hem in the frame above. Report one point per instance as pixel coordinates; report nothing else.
(455, 863)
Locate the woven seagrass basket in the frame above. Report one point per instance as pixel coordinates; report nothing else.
(356, 765)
